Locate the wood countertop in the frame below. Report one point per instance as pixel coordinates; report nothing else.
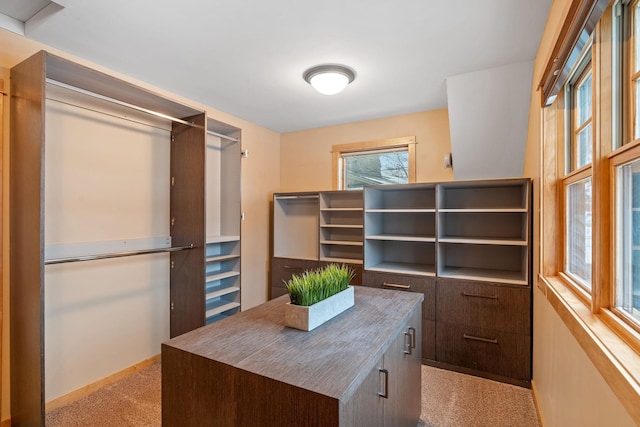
(331, 360)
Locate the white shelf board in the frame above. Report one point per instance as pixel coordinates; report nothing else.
(487, 210)
(222, 239)
(220, 276)
(404, 268)
(342, 260)
(341, 209)
(401, 210)
(482, 241)
(401, 238)
(502, 276)
(340, 242)
(221, 292)
(218, 258)
(221, 309)
(341, 226)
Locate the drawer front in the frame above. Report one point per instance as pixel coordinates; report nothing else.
(357, 269)
(428, 339)
(483, 305)
(500, 353)
(283, 268)
(425, 285)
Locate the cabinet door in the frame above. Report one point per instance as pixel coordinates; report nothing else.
(366, 406)
(403, 361)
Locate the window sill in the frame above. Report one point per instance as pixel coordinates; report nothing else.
(616, 360)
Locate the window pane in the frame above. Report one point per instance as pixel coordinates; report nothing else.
(637, 34)
(583, 94)
(628, 238)
(636, 125)
(386, 167)
(578, 229)
(584, 147)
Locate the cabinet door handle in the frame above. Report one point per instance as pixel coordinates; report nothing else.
(466, 294)
(487, 340)
(412, 331)
(407, 343)
(385, 388)
(292, 267)
(395, 286)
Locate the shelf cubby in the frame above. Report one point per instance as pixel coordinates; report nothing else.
(483, 227)
(490, 195)
(296, 224)
(484, 262)
(394, 256)
(341, 226)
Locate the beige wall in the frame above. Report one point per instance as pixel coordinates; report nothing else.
(306, 155)
(569, 389)
(260, 178)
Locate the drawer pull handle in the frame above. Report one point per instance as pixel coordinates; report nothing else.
(487, 340)
(385, 392)
(466, 294)
(396, 286)
(292, 267)
(407, 343)
(412, 331)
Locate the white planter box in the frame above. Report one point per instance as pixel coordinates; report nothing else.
(308, 318)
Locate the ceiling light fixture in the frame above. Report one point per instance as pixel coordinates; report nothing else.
(329, 79)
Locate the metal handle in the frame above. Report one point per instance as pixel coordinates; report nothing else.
(466, 294)
(384, 393)
(396, 286)
(412, 331)
(292, 267)
(407, 344)
(487, 340)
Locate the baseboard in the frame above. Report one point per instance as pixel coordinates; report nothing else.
(6, 423)
(90, 388)
(534, 392)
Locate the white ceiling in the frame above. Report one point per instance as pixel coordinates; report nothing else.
(247, 57)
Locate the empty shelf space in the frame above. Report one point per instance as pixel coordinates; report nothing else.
(342, 260)
(400, 210)
(218, 309)
(222, 275)
(341, 242)
(341, 210)
(482, 241)
(218, 258)
(484, 195)
(404, 268)
(401, 237)
(222, 239)
(502, 276)
(355, 226)
(485, 210)
(216, 292)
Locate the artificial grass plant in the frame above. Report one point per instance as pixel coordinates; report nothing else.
(315, 285)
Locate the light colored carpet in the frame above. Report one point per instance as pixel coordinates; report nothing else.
(449, 399)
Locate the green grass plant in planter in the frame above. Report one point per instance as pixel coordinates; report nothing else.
(313, 286)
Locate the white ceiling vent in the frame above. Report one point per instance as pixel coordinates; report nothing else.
(17, 15)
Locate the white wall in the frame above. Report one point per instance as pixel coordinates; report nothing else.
(488, 117)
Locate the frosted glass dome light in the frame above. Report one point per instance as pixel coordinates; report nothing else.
(329, 79)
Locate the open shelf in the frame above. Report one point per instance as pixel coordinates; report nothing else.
(401, 237)
(480, 195)
(296, 223)
(404, 268)
(220, 307)
(221, 276)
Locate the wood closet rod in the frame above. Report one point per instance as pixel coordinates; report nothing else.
(118, 102)
(114, 255)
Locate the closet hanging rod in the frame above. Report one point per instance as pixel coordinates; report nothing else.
(210, 132)
(114, 255)
(118, 102)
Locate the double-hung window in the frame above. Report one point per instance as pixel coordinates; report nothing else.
(577, 181)
(625, 169)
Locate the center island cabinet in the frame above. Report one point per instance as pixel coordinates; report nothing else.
(361, 368)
